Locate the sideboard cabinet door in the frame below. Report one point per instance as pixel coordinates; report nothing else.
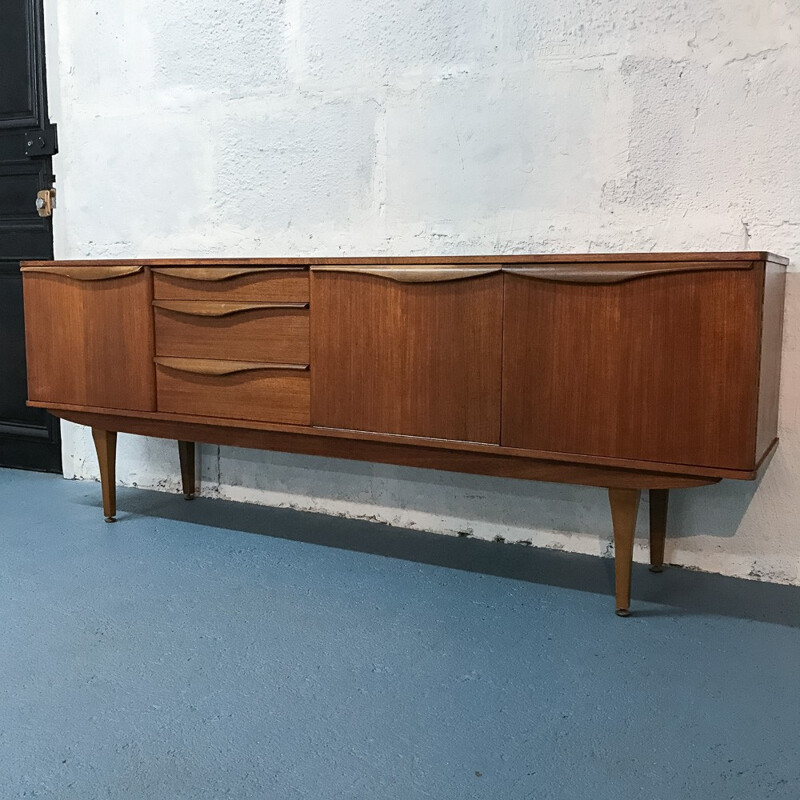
(89, 336)
(662, 366)
(414, 352)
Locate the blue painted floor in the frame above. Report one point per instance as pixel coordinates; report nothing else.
(180, 654)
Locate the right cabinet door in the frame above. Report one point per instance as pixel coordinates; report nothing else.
(649, 364)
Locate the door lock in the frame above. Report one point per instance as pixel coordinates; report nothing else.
(46, 202)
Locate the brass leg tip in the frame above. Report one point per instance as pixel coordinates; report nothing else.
(188, 496)
(657, 568)
(623, 612)
(111, 519)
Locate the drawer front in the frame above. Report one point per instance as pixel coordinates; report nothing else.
(235, 331)
(231, 284)
(266, 393)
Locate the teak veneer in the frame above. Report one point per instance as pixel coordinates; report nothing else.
(631, 372)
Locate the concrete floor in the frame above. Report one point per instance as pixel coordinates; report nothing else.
(180, 654)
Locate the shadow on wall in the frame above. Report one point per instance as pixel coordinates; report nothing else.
(461, 503)
(676, 592)
(716, 510)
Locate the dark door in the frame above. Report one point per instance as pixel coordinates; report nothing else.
(29, 437)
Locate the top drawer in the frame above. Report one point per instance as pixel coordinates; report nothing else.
(283, 284)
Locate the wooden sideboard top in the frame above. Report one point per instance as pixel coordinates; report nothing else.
(560, 258)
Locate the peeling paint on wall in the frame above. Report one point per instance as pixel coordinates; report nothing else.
(327, 128)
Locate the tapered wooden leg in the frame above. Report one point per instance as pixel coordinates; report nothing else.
(624, 508)
(105, 443)
(186, 455)
(659, 500)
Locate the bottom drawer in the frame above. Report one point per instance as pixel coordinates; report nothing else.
(234, 389)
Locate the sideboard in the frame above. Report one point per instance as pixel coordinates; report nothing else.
(629, 372)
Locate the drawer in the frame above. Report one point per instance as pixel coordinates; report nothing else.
(234, 389)
(234, 331)
(277, 284)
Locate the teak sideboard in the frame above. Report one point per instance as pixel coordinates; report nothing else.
(629, 372)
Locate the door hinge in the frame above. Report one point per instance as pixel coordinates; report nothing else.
(43, 142)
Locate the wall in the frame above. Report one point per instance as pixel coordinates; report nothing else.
(319, 127)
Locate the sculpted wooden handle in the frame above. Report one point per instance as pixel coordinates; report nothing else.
(436, 274)
(618, 273)
(218, 273)
(200, 308)
(84, 273)
(207, 366)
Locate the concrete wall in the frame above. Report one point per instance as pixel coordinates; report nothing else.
(323, 127)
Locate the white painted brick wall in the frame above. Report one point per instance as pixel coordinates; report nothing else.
(312, 162)
(323, 127)
(364, 43)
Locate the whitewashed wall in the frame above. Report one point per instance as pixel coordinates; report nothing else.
(325, 127)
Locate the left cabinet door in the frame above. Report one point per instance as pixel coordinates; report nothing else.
(89, 336)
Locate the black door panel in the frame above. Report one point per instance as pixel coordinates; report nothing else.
(29, 437)
(19, 89)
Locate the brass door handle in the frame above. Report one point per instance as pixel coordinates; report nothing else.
(45, 202)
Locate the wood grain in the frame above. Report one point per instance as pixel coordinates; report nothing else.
(312, 442)
(105, 443)
(257, 284)
(624, 508)
(618, 465)
(90, 343)
(416, 359)
(658, 369)
(250, 333)
(277, 395)
(771, 347)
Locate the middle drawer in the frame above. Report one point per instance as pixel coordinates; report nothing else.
(274, 332)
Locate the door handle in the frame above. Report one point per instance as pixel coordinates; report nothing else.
(217, 369)
(198, 308)
(599, 273)
(413, 273)
(87, 273)
(46, 202)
